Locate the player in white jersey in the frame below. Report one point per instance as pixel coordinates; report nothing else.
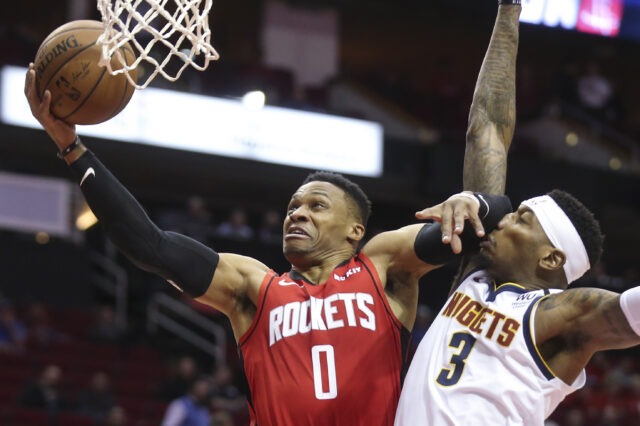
(511, 341)
(478, 363)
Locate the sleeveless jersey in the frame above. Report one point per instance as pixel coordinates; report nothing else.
(327, 354)
(478, 364)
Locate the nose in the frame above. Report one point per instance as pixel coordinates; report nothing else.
(505, 220)
(300, 214)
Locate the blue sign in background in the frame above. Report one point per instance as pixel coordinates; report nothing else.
(630, 26)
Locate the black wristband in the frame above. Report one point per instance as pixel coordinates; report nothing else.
(428, 245)
(76, 142)
(508, 2)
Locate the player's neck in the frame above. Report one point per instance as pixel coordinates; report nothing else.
(320, 271)
(531, 282)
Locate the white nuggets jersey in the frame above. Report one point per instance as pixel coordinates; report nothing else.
(479, 365)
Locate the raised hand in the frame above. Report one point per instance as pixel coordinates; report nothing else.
(62, 133)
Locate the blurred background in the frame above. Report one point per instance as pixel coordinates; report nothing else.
(88, 339)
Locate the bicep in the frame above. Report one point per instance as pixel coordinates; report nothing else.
(590, 317)
(236, 278)
(394, 251)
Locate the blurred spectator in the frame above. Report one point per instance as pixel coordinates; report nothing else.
(622, 371)
(634, 397)
(595, 91)
(597, 368)
(190, 409)
(13, 332)
(222, 418)
(575, 417)
(41, 331)
(98, 400)
(184, 374)
(236, 226)
(195, 221)
(271, 230)
(106, 328)
(116, 417)
(45, 392)
(225, 395)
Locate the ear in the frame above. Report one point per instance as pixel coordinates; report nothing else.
(552, 259)
(356, 232)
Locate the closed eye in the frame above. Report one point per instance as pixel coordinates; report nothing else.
(522, 218)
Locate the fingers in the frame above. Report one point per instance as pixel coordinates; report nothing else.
(459, 215)
(432, 213)
(30, 90)
(456, 244)
(452, 215)
(476, 222)
(447, 223)
(45, 105)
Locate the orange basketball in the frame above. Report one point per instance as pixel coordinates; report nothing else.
(83, 92)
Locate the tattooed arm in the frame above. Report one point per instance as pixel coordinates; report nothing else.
(493, 111)
(571, 326)
(492, 117)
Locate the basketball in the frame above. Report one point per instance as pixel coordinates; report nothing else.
(82, 92)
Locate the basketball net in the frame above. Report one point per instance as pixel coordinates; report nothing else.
(183, 34)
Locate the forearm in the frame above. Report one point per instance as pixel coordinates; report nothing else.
(185, 262)
(493, 111)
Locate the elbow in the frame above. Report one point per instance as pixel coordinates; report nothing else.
(477, 125)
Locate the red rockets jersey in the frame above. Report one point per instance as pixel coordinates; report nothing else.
(327, 354)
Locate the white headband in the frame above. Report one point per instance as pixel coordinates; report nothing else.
(562, 234)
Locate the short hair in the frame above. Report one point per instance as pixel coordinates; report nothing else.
(351, 190)
(583, 220)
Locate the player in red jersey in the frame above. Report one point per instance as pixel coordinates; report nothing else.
(324, 343)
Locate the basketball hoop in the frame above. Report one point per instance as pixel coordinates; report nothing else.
(166, 39)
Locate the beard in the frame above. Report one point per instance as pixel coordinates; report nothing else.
(483, 260)
(492, 267)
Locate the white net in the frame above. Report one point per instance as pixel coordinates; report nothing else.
(167, 37)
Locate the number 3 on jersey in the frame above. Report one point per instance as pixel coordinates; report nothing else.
(464, 342)
(330, 362)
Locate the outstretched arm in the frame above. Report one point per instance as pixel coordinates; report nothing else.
(218, 280)
(493, 110)
(492, 117)
(571, 326)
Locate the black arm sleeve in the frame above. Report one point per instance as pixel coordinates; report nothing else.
(429, 247)
(175, 257)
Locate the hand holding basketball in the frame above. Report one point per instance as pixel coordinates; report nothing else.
(82, 91)
(61, 132)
